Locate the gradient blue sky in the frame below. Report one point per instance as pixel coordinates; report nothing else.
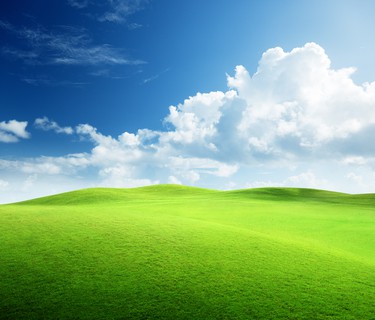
(117, 66)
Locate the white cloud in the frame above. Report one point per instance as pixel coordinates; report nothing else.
(120, 176)
(3, 184)
(201, 165)
(29, 183)
(80, 4)
(7, 138)
(63, 45)
(119, 10)
(115, 11)
(51, 82)
(46, 125)
(263, 184)
(294, 108)
(18, 128)
(174, 180)
(358, 179)
(155, 76)
(297, 102)
(136, 155)
(306, 179)
(67, 165)
(354, 160)
(13, 130)
(295, 116)
(44, 167)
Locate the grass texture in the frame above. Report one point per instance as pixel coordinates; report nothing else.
(175, 252)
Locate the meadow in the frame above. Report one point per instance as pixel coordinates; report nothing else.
(175, 252)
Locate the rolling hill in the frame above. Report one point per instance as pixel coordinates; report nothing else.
(175, 252)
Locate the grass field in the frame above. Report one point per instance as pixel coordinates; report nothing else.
(174, 252)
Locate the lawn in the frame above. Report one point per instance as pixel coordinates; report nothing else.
(174, 252)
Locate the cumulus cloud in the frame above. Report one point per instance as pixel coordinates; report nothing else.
(13, 130)
(137, 156)
(295, 107)
(295, 110)
(297, 104)
(46, 125)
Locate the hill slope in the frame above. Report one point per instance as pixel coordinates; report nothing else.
(116, 195)
(174, 252)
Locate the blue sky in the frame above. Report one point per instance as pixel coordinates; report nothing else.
(220, 94)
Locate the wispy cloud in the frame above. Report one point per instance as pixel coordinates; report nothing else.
(100, 73)
(115, 11)
(64, 45)
(108, 73)
(49, 82)
(154, 77)
(120, 10)
(27, 56)
(47, 125)
(80, 4)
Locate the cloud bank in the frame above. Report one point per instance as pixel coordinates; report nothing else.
(296, 121)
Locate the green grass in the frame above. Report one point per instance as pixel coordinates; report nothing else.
(173, 252)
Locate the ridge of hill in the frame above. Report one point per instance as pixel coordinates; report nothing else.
(168, 191)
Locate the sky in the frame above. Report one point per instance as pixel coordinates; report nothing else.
(217, 94)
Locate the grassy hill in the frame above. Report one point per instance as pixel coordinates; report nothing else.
(174, 252)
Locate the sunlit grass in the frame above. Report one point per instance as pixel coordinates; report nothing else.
(172, 252)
